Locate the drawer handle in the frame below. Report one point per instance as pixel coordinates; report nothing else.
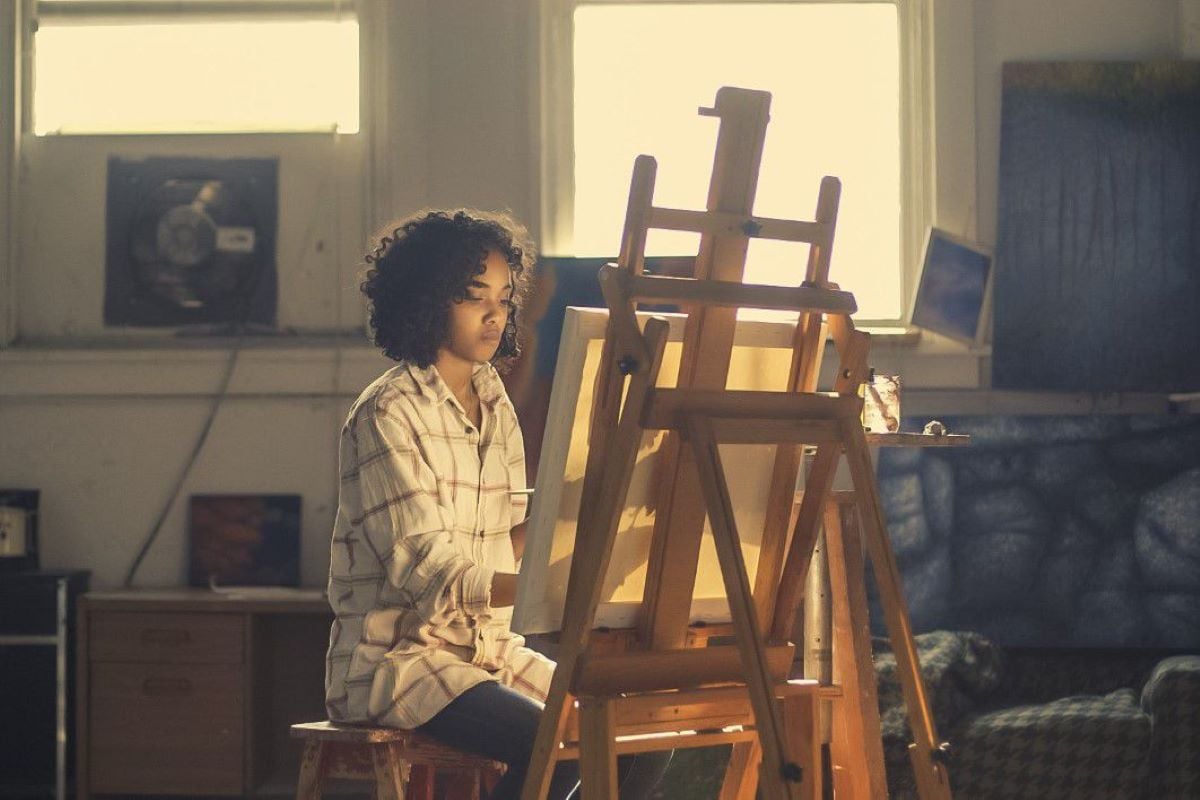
(165, 636)
(161, 687)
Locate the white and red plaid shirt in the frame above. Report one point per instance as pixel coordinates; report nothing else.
(424, 516)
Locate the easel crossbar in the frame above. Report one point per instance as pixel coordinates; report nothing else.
(708, 708)
(738, 295)
(661, 670)
(668, 408)
(717, 222)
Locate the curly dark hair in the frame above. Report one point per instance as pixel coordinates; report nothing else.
(425, 263)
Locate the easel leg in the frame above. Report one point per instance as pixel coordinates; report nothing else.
(597, 755)
(779, 776)
(857, 741)
(741, 776)
(933, 780)
(817, 482)
(801, 719)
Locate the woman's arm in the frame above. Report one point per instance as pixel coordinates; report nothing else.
(407, 527)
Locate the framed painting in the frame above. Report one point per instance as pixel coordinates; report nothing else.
(954, 293)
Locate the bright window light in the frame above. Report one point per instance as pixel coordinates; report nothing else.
(641, 72)
(197, 78)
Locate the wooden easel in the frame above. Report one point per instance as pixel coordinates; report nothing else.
(655, 679)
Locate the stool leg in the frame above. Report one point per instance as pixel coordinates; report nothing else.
(462, 784)
(389, 773)
(312, 772)
(490, 777)
(421, 782)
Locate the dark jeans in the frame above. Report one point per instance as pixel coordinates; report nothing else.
(499, 723)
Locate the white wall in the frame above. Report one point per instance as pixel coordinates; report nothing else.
(105, 446)
(103, 430)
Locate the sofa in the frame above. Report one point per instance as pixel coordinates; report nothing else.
(1044, 723)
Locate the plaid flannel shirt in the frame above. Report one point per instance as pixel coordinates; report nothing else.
(423, 522)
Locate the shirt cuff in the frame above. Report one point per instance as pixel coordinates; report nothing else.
(477, 590)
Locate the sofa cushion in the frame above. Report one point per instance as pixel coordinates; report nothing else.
(1172, 698)
(1085, 747)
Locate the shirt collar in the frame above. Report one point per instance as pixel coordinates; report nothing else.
(429, 381)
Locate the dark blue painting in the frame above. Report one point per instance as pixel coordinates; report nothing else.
(953, 285)
(1052, 531)
(1097, 284)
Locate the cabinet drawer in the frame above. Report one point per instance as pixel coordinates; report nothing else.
(166, 729)
(165, 638)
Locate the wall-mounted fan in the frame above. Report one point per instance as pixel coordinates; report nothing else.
(191, 240)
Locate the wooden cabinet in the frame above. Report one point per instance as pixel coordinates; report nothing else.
(192, 693)
(162, 638)
(174, 728)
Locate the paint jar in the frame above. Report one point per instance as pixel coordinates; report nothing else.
(881, 403)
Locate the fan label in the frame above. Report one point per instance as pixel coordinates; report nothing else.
(235, 240)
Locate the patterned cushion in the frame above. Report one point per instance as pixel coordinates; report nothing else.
(1172, 697)
(1091, 748)
(1007, 741)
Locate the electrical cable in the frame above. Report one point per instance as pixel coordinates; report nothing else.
(222, 391)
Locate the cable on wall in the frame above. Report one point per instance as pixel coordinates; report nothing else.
(222, 391)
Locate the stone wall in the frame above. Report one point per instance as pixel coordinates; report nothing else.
(1052, 530)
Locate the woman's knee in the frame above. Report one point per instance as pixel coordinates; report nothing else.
(491, 720)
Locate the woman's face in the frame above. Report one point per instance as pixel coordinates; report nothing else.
(477, 323)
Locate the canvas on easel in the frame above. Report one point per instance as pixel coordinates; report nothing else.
(760, 359)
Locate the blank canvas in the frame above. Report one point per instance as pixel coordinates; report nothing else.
(761, 360)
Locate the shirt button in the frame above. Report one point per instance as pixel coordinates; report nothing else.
(481, 534)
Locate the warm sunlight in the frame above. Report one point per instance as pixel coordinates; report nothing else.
(266, 76)
(833, 71)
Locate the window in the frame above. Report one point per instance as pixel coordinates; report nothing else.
(835, 73)
(151, 66)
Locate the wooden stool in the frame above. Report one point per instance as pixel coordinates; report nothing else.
(401, 763)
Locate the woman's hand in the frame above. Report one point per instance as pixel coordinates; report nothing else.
(504, 589)
(518, 540)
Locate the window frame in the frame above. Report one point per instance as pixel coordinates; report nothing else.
(556, 168)
(133, 12)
